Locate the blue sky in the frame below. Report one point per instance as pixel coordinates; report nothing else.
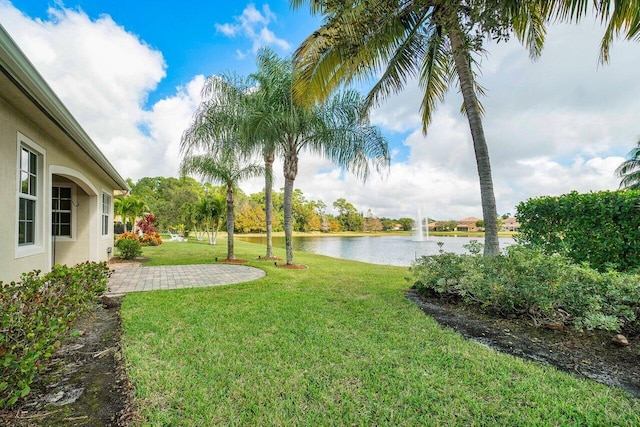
(131, 73)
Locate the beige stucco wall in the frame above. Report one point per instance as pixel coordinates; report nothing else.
(62, 158)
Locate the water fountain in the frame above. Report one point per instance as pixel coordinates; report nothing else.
(417, 235)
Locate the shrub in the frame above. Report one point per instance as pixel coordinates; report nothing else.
(35, 313)
(146, 224)
(151, 239)
(601, 228)
(527, 282)
(129, 248)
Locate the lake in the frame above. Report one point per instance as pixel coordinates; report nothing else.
(376, 249)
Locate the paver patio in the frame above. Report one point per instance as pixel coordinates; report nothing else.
(135, 278)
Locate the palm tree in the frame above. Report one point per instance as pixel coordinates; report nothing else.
(629, 170)
(130, 207)
(337, 129)
(211, 208)
(430, 40)
(225, 167)
(434, 40)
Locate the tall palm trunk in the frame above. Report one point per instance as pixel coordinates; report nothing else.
(290, 172)
(463, 67)
(268, 199)
(230, 254)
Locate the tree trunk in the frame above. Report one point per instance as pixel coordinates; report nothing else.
(463, 67)
(290, 172)
(230, 254)
(268, 200)
(215, 231)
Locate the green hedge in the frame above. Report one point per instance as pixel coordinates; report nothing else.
(601, 228)
(525, 282)
(35, 314)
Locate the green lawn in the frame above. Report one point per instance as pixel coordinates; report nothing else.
(337, 344)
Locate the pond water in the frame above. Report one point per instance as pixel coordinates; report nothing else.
(376, 249)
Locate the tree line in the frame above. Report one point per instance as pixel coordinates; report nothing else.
(194, 208)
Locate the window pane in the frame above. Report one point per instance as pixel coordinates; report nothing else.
(65, 192)
(65, 205)
(29, 231)
(21, 233)
(24, 160)
(22, 214)
(24, 182)
(32, 185)
(31, 210)
(55, 204)
(65, 230)
(33, 164)
(65, 218)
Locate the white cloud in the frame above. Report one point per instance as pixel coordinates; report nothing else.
(253, 24)
(104, 78)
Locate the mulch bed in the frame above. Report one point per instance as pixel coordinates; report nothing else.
(292, 266)
(588, 354)
(84, 382)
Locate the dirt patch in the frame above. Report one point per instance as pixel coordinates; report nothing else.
(84, 383)
(589, 354)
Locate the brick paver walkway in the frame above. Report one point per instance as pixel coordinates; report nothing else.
(136, 279)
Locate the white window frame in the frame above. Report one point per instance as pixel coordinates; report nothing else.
(106, 215)
(40, 198)
(74, 211)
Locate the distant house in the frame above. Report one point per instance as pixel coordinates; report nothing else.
(467, 224)
(510, 224)
(56, 186)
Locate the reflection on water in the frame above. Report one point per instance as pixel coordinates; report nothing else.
(376, 249)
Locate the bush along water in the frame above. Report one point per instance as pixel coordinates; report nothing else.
(527, 282)
(35, 314)
(601, 228)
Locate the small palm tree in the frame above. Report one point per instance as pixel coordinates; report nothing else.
(629, 170)
(129, 207)
(228, 169)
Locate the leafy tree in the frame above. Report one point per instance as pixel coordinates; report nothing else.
(435, 41)
(388, 224)
(250, 219)
(407, 223)
(629, 170)
(169, 198)
(337, 129)
(227, 168)
(348, 216)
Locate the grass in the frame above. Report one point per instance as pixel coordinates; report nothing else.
(337, 344)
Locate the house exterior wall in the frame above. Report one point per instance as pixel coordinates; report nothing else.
(61, 160)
